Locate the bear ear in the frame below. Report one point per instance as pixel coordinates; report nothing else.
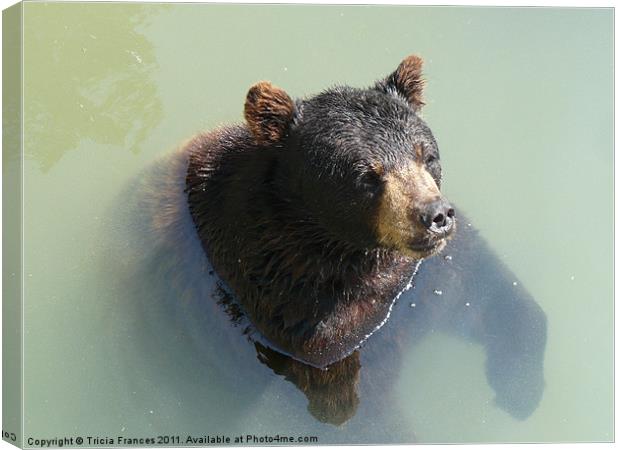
(407, 81)
(269, 112)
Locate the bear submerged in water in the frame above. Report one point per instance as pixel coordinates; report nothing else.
(315, 212)
(317, 215)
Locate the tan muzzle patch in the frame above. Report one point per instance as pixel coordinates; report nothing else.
(407, 190)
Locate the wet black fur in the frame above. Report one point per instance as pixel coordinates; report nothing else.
(290, 225)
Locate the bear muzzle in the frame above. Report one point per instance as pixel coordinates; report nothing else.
(413, 216)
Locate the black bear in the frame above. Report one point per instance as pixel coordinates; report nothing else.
(316, 211)
(317, 215)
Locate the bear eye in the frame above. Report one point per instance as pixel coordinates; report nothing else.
(370, 181)
(431, 159)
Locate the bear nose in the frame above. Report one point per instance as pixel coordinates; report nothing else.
(438, 216)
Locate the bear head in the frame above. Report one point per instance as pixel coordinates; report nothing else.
(362, 162)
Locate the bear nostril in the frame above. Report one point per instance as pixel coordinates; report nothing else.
(440, 220)
(438, 216)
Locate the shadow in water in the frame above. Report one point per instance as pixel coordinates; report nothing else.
(193, 339)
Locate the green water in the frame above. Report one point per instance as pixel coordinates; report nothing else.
(520, 101)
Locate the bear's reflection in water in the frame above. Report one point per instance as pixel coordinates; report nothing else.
(187, 340)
